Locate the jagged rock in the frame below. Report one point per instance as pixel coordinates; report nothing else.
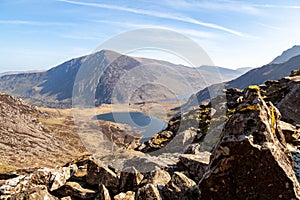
(51, 178)
(157, 177)
(157, 141)
(192, 149)
(75, 189)
(180, 141)
(125, 196)
(97, 174)
(251, 160)
(144, 164)
(290, 105)
(11, 186)
(149, 192)
(291, 133)
(196, 164)
(61, 177)
(130, 179)
(181, 187)
(103, 193)
(36, 193)
(66, 198)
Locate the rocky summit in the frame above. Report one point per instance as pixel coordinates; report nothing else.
(254, 156)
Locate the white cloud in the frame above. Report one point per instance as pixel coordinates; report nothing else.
(34, 23)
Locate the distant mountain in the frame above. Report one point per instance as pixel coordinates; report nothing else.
(20, 72)
(255, 76)
(286, 55)
(244, 69)
(112, 77)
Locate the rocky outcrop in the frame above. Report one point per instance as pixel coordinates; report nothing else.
(87, 178)
(251, 160)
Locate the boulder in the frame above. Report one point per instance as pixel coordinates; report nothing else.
(193, 149)
(60, 177)
(181, 188)
(75, 189)
(103, 193)
(35, 193)
(195, 164)
(251, 160)
(289, 106)
(149, 192)
(290, 132)
(157, 177)
(97, 173)
(129, 195)
(130, 179)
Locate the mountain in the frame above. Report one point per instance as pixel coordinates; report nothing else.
(286, 55)
(244, 69)
(108, 77)
(255, 76)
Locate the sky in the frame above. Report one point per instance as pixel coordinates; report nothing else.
(40, 34)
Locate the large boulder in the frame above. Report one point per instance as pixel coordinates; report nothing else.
(181, 188)
(195, 164)
(103, 193)
(98, 173)
(251, 160)
(290, 132)
(130, 179)
(290, 105)
(35, 193)
(157, 177)
(75, 189)
(149, 192)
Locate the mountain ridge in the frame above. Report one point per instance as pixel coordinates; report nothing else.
(54, 87)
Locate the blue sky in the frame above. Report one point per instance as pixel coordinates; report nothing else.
(39, 34)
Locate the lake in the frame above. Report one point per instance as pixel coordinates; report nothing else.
(148, 125)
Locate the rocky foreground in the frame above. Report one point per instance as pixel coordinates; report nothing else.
(256, 156)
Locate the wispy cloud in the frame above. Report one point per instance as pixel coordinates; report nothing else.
(223, 5)
(158, 15)
(278, 6)
(34, 23)
(190, 32)
(269, 26)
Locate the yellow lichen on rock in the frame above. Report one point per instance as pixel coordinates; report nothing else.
(250, 108)
(254, 87)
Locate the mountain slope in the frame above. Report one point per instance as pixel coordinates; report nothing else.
(286, 55)
(112, 77)
(27, 141)
(255, 76)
